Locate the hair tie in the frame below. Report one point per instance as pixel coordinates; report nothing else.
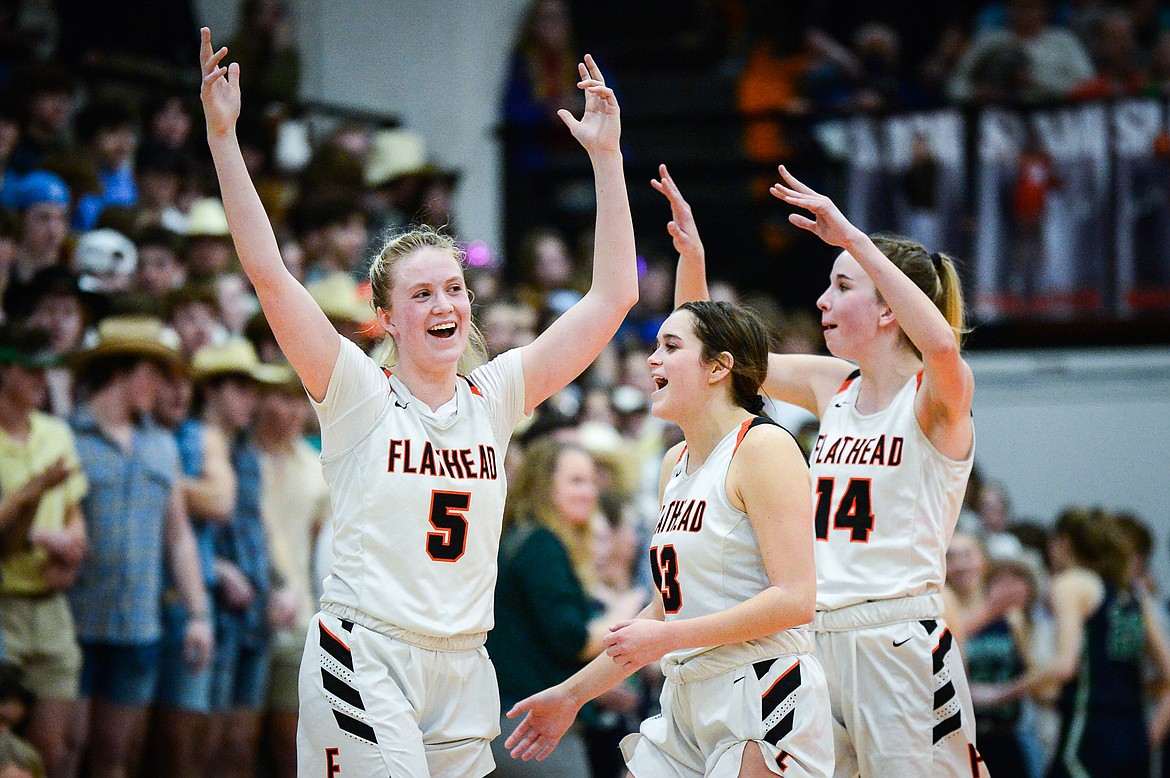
(936, 259)
(757, 406)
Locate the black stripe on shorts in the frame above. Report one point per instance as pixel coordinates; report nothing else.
(947, 726)
(941, 650)
(334, 647)
(358, 729)
(341, 690)
(784, 686)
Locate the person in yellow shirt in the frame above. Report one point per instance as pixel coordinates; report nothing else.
(294, 504)
(44, 543)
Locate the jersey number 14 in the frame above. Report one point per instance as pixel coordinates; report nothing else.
(854, 512)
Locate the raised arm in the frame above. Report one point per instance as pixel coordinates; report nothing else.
(805, 380)
(948, 386)
(574, 340)
(690, 278)
(304, 333)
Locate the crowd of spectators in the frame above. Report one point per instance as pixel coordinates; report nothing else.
(163, 521)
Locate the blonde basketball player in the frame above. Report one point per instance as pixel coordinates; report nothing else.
(395, 680)
(732, 558)
(889, 470)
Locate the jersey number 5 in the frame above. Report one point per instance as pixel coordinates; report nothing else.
(664, 569)
(448, 517)
(854, 512)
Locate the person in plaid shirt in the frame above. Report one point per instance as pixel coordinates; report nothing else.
(135, 520)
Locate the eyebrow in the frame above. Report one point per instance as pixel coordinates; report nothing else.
(427, 284)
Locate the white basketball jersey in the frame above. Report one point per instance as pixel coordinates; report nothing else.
(886, 501)
(418, 499)
(704, 555)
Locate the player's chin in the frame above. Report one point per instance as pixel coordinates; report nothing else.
(660, 406)
(446, 347)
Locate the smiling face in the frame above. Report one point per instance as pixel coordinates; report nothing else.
(430, 309)
(677, 368)
(851, 310)
(574, 487)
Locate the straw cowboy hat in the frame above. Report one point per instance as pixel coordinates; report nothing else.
(146, 337)
(207, 219)
(236, 357)
(279, 377)
(341, 299)
(394, 154)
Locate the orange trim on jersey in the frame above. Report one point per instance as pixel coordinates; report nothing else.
(919, 377)
(339, 640)
(743, 428)
(681, 454)
(845, 384)
(938, 645)
(473, 387)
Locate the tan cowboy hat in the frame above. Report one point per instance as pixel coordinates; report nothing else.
(236, 357)
(147, 337)
(340, 298)
(610, 450)
(279, 377)
(393, 154)
(207, 219)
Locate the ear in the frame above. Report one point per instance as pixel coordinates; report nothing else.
(720, 367)
(886, 317)
(385, 322)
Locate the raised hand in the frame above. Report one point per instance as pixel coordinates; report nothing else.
(682, 228)
(550, 714)
(220, 92)
(599, 129)
(830, 224)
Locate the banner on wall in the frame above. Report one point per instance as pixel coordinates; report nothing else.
(907, 175)
(1141, 131)
(1041, 206)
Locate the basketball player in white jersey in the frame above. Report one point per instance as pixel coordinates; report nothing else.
(395, 679)
(733, 561)
(889, 470)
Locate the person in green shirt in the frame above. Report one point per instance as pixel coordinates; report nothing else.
(547, 625)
